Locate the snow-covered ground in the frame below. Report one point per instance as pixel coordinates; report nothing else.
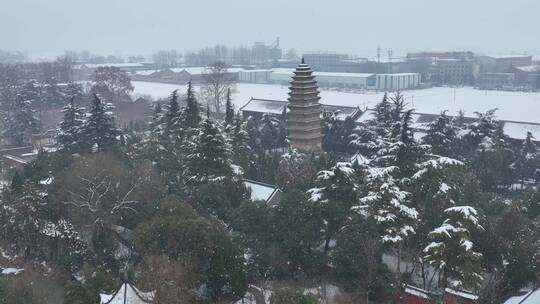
(517, 106)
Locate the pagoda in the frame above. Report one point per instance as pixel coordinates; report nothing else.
(304, 116)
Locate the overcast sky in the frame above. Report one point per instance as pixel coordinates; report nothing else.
(127, 27)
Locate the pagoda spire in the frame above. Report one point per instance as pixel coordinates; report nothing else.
(304, 116)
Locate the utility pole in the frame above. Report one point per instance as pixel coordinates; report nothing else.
(390, 61)
(378, 59)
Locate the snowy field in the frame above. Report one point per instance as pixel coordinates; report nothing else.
(517, 106)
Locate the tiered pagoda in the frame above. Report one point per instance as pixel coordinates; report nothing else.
(304, 116)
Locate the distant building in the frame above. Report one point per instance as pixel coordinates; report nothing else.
(528, 76)
(496, 81)
(455, 71)
(328, 79)
(254, 76)
(502, 64)
(261, 52)
(181, 75)
(86, 70)
(304, 116)
(325, 61)
(427, 64)
(394, 82)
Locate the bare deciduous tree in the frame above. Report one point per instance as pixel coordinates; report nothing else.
(173, 281)
(216, 82)
(98, 189)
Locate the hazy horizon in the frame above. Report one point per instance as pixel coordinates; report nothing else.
(123, 28)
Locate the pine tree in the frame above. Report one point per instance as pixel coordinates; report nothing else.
(242, 153)
(173, 130)
(387, 205)
(269, 132)
(22, 123)
(451, 251)
(208, 159)
(70, 131)
(336, 193)
(192, 112)
(99, 131)
(229, 109)
(442, 135)
(527, 160)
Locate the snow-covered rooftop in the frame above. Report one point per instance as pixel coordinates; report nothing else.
(531, 297)
(202, 70)
(507, 56)
(529, 68)
(462, 294)
(127, 294)
(118, 65)
(328, 74)
(265, 106)
(260, 191)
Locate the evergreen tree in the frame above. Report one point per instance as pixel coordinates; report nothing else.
(208, 158)
(386, 204)
(242, 153)
(100, 131)
(527, 160)
(192, 112)
(70, 132)
(173, 130)
(442, 135)
(269, 132)
(451, 251)
(229, 109)
(22, 123)
(336, 193)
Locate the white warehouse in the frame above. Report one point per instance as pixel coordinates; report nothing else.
(388, 82)
(254, 76)
(329, 79)
(400, 81)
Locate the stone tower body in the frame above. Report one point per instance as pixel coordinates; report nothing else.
(304, 116)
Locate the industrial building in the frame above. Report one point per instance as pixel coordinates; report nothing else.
(456, 71)
(496, 81)
(328, 79)
(394, 82)
(502, 63)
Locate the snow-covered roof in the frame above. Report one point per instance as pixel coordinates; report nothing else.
(127, 294)
(283, 71)
(417, 292)
(277, 107)
(399, 74)
(117, 65)
(202, 70)
(530, 297)
(518, 130)
(529, 68)
(14, 271)
(146, 72)
(261, 191)
(264, 106)
(508, 56)
(462, 294)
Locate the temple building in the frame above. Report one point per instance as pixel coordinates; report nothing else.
(304, 115)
